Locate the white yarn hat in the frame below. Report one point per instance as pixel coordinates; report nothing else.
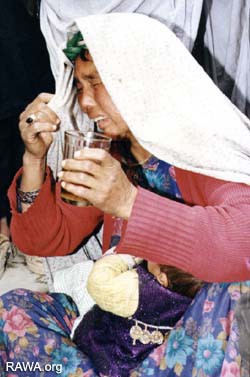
(172, 107)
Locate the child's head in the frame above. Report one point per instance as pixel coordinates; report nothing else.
(175, 279)
(161, 276)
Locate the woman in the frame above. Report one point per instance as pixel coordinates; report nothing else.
(167, 106)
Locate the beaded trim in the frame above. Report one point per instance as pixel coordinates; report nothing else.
(27, 197)
(145, 336)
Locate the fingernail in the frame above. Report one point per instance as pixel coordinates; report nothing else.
(54, 127)
(63, 184)
(77, 154)
(63, 163)
(60, 174)
(57, 121)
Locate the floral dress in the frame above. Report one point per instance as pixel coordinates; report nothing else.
(35, 327)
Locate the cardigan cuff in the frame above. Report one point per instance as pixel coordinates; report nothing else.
(12, 192)
(153, 227)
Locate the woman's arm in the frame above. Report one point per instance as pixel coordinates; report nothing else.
(209, 240)
(36, 123)
(50, 227)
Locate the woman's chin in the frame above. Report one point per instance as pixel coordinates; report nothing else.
(114, 130)
(112, 133)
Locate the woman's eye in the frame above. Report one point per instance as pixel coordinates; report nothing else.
(96, 84)
(78, 89)
(77, 85)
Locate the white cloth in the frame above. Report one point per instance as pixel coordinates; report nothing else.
(227, 48)
(172, 107)
(56, 18)
(73, 282)
(65, 106)
(91, 250)
(57, 24)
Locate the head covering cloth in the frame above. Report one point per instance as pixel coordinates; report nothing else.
(170, 104)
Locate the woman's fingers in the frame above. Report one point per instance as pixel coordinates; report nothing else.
(44, 112)
(98, 177)
(37, 124)
(87, 191)
(95, 154)
(40, 113)
(41, 98)
(87, 166)
(80, 191)
(78, 178)
(31, 131)
(44, 97)
(43, 119)
(40, 110)
(44, 127)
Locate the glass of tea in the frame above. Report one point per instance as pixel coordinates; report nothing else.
(77, 140)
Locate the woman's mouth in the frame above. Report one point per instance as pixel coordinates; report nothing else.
(101, 121)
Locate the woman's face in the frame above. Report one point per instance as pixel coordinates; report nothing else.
(95, 101)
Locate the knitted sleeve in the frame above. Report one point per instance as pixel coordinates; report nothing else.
(113, 286)
(50, 227)
(208, 238)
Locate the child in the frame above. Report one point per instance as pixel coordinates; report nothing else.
(135, 308)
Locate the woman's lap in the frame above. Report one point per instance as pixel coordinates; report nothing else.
(204, 343)
(36, 328)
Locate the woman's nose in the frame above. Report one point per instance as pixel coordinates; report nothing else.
(87, 101)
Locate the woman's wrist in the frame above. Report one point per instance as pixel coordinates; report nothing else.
(129, 203)
(34, 170)
(31, 160)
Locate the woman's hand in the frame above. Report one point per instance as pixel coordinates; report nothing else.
(97, 177)
(37, 136)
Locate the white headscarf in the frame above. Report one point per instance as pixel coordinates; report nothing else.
(169, 103)
(57, 24)
(57, 18)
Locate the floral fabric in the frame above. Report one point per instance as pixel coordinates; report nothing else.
(35, 327)
(205, 342)
(155, 175)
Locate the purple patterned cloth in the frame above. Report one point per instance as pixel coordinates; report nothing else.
(105, 338)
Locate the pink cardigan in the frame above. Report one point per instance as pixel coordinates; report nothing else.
(209, 236)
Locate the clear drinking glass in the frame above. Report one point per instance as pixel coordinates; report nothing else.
(74, 141)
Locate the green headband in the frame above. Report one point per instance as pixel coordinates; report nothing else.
(74, 46)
